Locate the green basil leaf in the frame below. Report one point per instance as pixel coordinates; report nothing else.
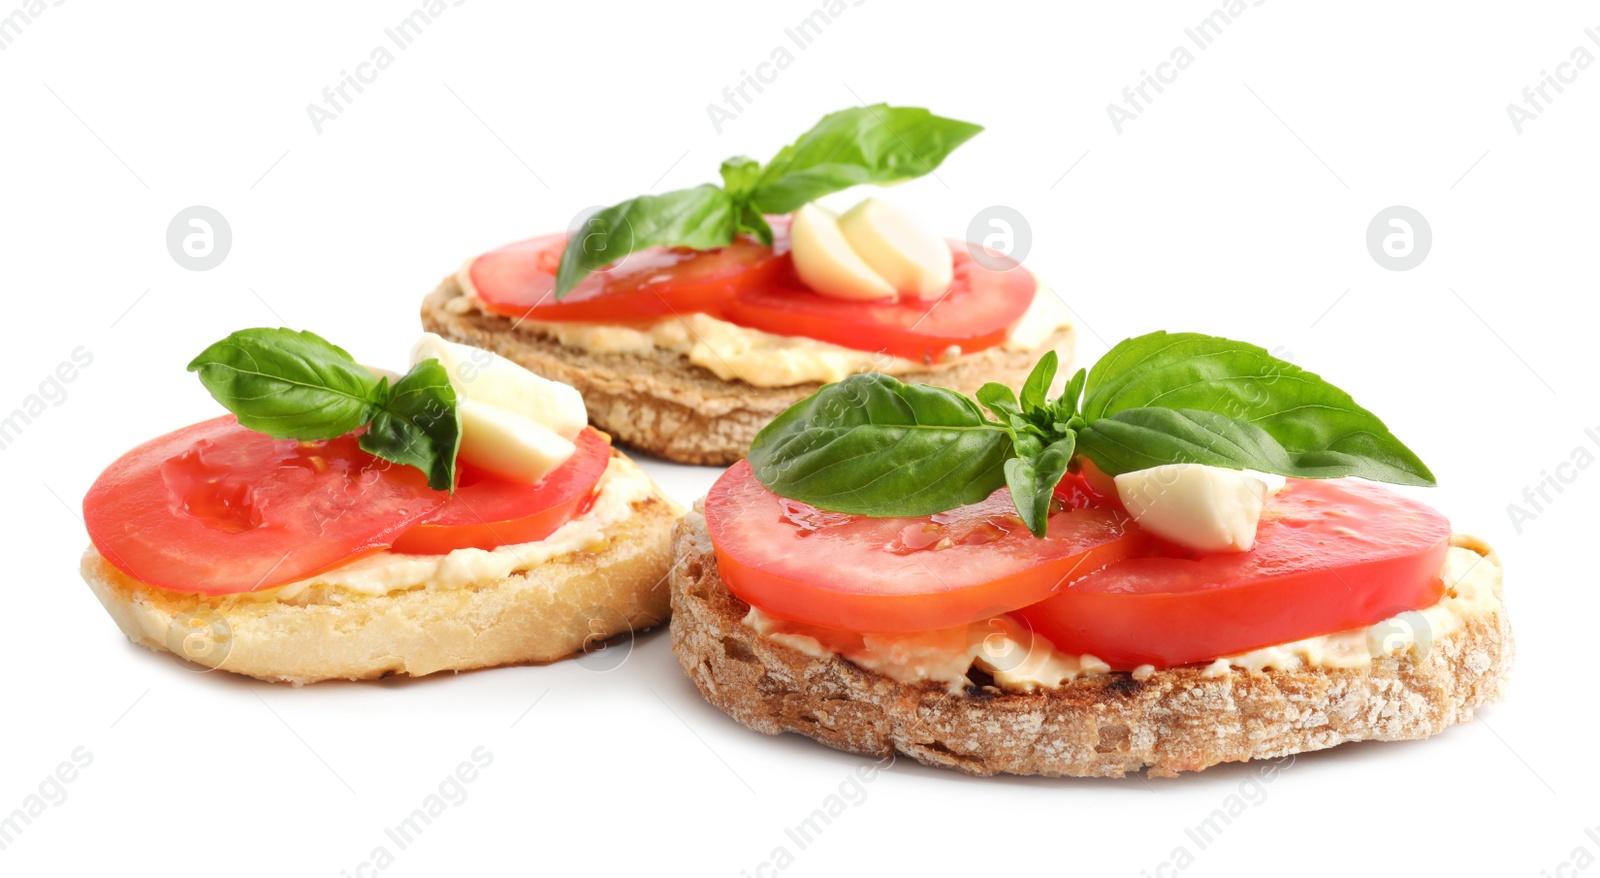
(1067, 404)
(1142, 438)
(1027, 440)
(870, 445)
(876, 144)
(1033, 479)
(739, 176)
(1000, 399)
(298, 385)
(752, 223)
(1314, 421)
(418, 424)
(700, 218)
(287, 384)
(1036, 389)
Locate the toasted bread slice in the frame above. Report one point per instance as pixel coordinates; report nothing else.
(1180, 719)
(663, 404)
(539, 614)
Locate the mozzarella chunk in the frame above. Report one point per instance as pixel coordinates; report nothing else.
(514, 423)
(1206, 508)
(827, 263)
(912, 260)
(487, 377)
(509, 445)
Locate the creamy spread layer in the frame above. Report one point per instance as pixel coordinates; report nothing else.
(762, 359)
(621, 486)
(1020, 661)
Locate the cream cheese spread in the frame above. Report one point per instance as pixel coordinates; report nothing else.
(1020, 661)
(762, 359)
(621, 486)
(1016, 659)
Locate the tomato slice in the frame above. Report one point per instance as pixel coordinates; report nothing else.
(487, 511)
(977, 311)
(757, 287)
(519, 281)
(900, 574)
(1329, 556)
(218, 509)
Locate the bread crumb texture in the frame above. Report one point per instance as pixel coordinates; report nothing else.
(540, 614)
(1163, 721)
(659, 402)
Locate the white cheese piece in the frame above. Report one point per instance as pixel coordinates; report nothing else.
(913, 261)
(827, 263)
(514, 423)
(1205, 508)
(487, 377)
(509, 445)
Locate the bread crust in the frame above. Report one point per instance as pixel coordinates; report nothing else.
(661, 403)
(544, 613)
(1100, 726)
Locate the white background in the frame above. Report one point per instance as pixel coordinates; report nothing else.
(1237, 204)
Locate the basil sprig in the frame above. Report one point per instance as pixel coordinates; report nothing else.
(874, 446)
(298, 385)
(870, 445)
(876, 144)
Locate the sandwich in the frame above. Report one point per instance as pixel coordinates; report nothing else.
(351, 523)
(1183, 559)
(689, 319)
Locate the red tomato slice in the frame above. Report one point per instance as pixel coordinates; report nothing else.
(977, 311)
(487, 511)
(519, 281)
(756, 287)
(219, 509)
(899, 574)
(1329, 556)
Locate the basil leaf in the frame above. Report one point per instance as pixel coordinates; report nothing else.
(698, 218)
(739, 175)
(1142, 438)
(1315, 422)
(752, 223)
(298, 385)
(1037, 386)
(1033, 481)
(287, 384)
(1000, 399)
(870, 445)
(1027, 440)
(418, 424)
(876, 144)
(1067, 404)
(1027, 437)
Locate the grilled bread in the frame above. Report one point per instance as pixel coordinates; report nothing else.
(541, 613)
(1166, 722)
(663, 404)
